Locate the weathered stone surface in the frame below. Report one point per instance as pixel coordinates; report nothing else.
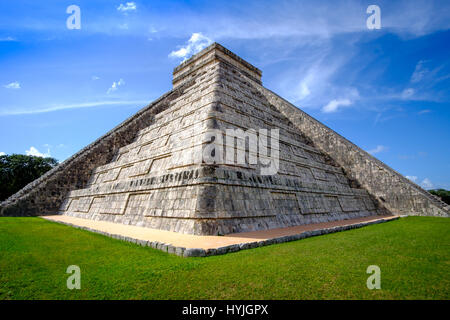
(194, 252)
(144, 172)
(179, 251)
(142, 242)
(244, 246)
(211, 252)
(171, 249)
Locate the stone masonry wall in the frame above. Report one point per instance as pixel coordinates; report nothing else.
(395, 192)
(154, 181)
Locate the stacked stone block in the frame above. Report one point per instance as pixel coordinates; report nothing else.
(155, 182)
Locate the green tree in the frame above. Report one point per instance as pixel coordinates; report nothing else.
(441, 193)
(17, 170)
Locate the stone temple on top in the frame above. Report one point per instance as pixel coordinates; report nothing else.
(146, 171)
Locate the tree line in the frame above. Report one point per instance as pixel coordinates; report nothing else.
(17, 170)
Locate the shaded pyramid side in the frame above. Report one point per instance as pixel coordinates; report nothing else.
(389, 188)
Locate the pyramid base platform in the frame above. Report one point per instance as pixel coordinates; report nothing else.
(188, 245)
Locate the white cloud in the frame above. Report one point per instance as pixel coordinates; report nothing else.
(334, 105)
(95, 78)
(152, 30)
(412, 178)
(378, 149)
(196, 43)
(35, 152)
(302, 90)
(11, 111)
(115, 86)
(2, 153)
(12, 85)
(424, 111)
(427, 184)
(307, 18)
(129, 6)
(419, 72)
(312, 81)
(407, 93)
(315, 78)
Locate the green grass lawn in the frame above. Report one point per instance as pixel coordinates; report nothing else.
(413, 254)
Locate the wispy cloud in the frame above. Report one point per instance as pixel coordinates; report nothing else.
(71, 106)
(35, 152)
(378, 149)
(129, 6)
(321, 79)
(334, 105)
(12, 85)
(419, 72)
(7, 39)
(304, 19)
(95, 78)
(425, 82)
(407, 93)
(196, 43)
(427, 184)
(424, 111)
(420, 154)
(314, 77)
(250, 19)
(115, 86)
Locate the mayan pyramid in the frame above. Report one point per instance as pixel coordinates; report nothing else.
(147, 171)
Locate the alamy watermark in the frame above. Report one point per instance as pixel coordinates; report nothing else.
(236, 147)
(374, 20)
(374, 281)
(74, 20)
(74, 280)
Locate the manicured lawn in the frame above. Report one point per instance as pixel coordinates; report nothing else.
(413, 254)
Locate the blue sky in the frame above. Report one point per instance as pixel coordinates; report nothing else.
(387, 90)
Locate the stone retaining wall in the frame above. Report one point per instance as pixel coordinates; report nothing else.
(200, 252)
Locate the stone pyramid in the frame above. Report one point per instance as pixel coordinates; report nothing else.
(174, 166)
